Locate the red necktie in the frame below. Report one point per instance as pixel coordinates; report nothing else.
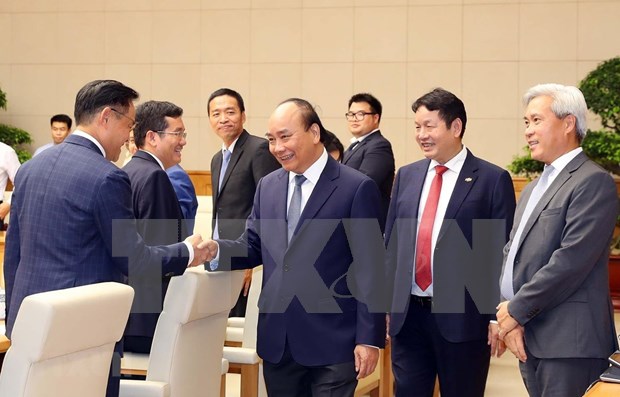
(423, 276)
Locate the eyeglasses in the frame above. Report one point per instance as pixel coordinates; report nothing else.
(177, 134)
(357, 116)
(133, 122)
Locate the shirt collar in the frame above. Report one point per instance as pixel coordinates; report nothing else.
(561, 162)
(231, 147)
(90, 138)
(313, 173)
(361, 138)
(155, 157)
(454, 164)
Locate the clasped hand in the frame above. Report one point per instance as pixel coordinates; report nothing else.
(204, 250)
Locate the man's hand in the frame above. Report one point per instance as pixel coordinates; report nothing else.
(366, 358)
(506, 322)
(4, 210)
(210, 249)
(247, 281)
(498, 347)
(515, 341)
(199, 254)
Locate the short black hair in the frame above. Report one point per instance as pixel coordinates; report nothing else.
(229, 92)
(374, 103)
(450, 107)
(61, 118)
(98, 94)
(333, 143)
(151, 116)
(309, 115)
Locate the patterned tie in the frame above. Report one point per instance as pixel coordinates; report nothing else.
(294, 208)
(225, 160)
(506, 286)
(423, 274)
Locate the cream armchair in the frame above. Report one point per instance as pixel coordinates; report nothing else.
(186, 355)
(62, 342)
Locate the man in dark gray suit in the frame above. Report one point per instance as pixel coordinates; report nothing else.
(75, 188)
(235, 171)
(369, 152)
(558, 317)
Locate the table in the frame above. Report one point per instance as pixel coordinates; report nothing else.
(604, 389)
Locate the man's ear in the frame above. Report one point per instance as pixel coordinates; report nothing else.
(316, 132)
(457, 127)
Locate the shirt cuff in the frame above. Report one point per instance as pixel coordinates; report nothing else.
(215, 262)
(191, 252)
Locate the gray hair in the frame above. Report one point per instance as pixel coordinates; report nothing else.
(566, 100)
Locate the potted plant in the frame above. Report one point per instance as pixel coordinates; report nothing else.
(601, 89)
(13, 136)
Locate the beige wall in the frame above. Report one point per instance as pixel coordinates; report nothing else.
(487, 52)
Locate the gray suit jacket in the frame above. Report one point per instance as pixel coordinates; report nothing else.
(560, 273)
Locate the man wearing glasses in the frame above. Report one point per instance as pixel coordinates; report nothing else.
(369, 152)
(159, 135)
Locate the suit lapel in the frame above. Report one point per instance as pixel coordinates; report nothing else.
(465, 181)
(558, 182)
(358, 149)
(234, 158)
(324, 188)
(215, 178)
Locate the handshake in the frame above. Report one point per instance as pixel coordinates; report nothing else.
(204, 250)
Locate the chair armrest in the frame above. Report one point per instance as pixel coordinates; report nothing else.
(143, 388)
(236, 322)
(225, 366)
(241, 355)
(234, 334)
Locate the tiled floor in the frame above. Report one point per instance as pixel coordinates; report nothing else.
(504, 377)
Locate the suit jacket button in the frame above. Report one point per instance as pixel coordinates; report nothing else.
(286, 268)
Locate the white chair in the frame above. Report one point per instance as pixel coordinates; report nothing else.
(62, 341)
(244, 359)
(186, 355)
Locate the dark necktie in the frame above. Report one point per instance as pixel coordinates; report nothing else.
(423, 273)
(294, 208)
(353, 145)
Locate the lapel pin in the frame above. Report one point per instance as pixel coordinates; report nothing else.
(468, 179)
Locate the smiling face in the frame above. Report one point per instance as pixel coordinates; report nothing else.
(437, 141)
(294, 146)
(168, 146)
(548, 136)
(226, 118)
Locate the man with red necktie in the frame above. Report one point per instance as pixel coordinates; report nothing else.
(449, 217)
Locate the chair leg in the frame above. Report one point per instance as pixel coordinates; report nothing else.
(386, 380)
(249, 380)
(436, 391)
(223, 386)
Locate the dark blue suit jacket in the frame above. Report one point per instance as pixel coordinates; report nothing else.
(72, 224)
(160, 221)
(483, 191)
(374, 157)
(306, 296)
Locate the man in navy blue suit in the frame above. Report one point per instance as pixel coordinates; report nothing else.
(160, 137)
(449, 218)
(72, 222)
(370, 152)
(315, 227)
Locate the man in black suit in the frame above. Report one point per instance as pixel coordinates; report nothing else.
(370, 153)
(235, 171)
(160, 137)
